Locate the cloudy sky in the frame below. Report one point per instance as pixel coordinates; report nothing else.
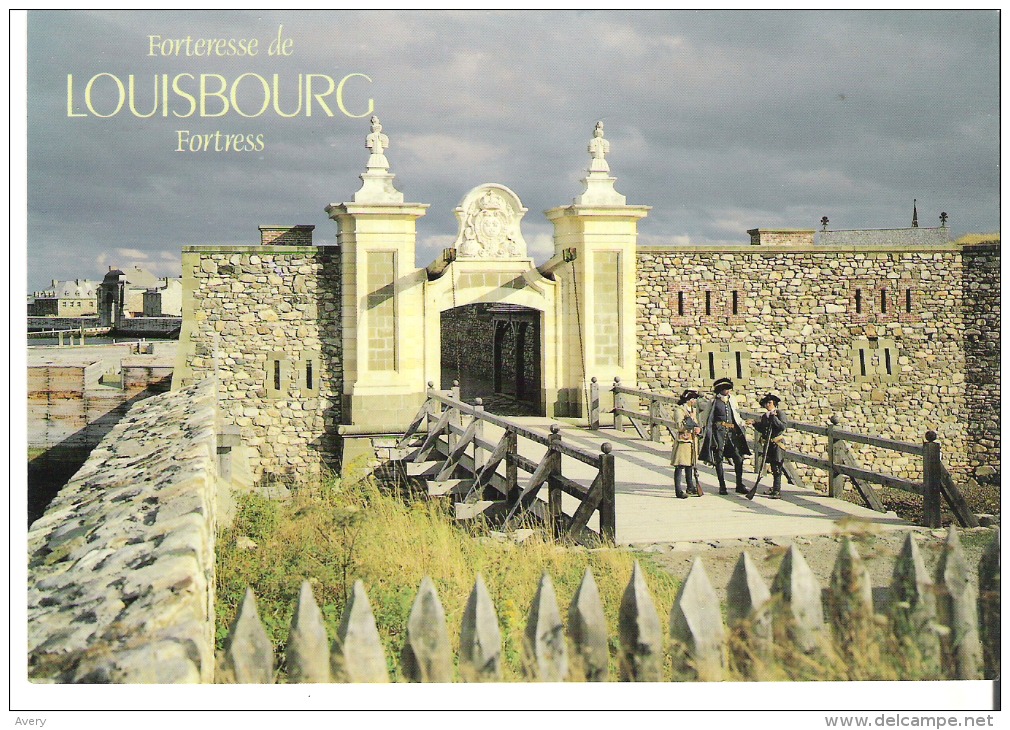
(721, 121)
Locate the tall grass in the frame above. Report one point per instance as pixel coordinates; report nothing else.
(335, 533)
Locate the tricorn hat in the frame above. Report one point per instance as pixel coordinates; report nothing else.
(771, 397)
(688, 395)
(722, 383)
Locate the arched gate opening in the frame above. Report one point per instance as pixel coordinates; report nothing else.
(494, 351)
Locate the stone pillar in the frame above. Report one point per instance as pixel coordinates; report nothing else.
(596, 312)
(382, 302)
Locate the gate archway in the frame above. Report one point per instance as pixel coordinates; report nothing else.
(493, 351)
(490, 267)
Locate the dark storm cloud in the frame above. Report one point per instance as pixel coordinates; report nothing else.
(721, 121)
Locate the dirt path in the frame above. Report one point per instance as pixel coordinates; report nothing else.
(877, 549)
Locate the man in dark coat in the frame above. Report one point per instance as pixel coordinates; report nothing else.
(724, 435)
(770, 428)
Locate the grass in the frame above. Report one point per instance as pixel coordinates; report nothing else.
(335, 533)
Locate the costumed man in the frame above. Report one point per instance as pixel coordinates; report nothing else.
(725, 437)
(770, 428)
(685, 446)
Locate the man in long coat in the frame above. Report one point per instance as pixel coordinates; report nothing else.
(724, 435)
(770, 428)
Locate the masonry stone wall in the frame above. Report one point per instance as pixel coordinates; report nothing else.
(468, 345)
(121, 565)
(981, 283)
(871, 335)
(467, 342)
(267, 320)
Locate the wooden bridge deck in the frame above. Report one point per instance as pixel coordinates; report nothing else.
(649, 512)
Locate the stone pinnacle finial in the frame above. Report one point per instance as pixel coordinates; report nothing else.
(915, 215)
(598, 149)
(377, 142)
(599, 184)
(377, 180)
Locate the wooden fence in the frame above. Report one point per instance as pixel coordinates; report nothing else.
(474, 479)
(839, 462)
(946, 622)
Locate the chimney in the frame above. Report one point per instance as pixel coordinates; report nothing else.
(299, 235)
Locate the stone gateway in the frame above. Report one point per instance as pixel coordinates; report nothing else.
(893, 331)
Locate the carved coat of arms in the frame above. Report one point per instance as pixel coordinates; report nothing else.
(489, 224)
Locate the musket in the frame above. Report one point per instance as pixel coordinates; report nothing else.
(764, 461)
(694, 467)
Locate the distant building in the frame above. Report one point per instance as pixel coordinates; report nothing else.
(77, 298)
(137, 293)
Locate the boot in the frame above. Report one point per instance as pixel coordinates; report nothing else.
(773, 493)
(721, 476)
(692, 488)
(676, 482)
(740, 488)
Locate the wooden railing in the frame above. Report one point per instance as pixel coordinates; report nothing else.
(950, 623)
(476, 479)
(839, 461)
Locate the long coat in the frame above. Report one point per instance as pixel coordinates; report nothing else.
(685, 444)
(771, 424)
(714, 437)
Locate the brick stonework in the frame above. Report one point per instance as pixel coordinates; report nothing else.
(300, 235)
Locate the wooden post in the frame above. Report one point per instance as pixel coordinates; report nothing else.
(931, 481)
(836, 481)
(545, 653)
(357, 654)
(587, 628)
(618, 403)
(480, 638)
(511, 470)
(434, 410)
(553, 488)
(61, 339)
(427, 654)
(455, 419)
(654, 432)
(308, 651)
(640, 657)
(478, 433)
(608, 512)
(594, 405)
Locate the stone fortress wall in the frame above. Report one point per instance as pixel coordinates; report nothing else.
(267, 320)
(891, 330)
(874, 334)
(121, 566)
(980, 285)
(467, 338)
(468, 345)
